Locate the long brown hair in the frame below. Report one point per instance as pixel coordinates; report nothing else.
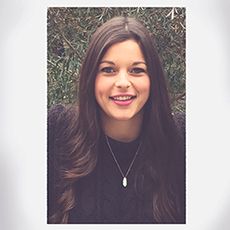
(77, 151)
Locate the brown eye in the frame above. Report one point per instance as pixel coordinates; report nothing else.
(137, 70)
(108, 70)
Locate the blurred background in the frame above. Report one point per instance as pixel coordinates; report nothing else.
(69, 31)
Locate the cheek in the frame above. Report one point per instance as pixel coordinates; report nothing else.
(97, 89)
(100, 89)
(144, 87)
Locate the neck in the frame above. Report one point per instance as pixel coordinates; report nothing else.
(123, 130)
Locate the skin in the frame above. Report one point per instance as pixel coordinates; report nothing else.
(122, 88)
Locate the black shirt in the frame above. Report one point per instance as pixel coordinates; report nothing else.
(100, 196)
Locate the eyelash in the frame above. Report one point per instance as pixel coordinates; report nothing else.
(110, 70)
(137, 70)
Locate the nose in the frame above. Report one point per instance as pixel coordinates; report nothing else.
(122, 81)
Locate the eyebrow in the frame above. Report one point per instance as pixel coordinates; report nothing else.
(108, 62)
(112, 63)
(139, 62)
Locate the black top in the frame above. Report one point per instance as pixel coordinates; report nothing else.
(101, 197)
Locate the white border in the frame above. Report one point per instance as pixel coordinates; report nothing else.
(23, 114)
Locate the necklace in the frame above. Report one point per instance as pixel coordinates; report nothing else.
(124, 176)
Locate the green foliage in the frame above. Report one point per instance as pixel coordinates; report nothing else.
(69, 31)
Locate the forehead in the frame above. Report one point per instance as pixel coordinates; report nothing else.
(126, 50)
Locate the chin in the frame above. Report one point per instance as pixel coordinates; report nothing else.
(123, 117)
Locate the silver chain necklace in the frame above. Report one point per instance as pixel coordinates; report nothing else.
(124, 180)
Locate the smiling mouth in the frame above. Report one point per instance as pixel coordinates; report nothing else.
(122, 98)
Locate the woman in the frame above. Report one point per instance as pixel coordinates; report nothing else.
(117, 157)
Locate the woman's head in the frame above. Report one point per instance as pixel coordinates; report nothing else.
(114, 31)
(122, 83)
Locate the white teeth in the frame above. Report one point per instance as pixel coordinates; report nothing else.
(122, 98)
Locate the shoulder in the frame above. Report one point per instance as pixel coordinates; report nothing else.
(55, 123)
(180, 159)
(59, 132)
(54, 113)
(60, 116)
(180, 122)
(62, 121)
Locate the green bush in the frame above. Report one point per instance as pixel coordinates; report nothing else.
(69, 31)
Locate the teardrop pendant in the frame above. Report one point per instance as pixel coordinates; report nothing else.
(125, 182)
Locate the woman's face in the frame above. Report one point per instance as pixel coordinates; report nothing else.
(122, 83)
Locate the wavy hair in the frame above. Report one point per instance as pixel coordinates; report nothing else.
(162, 160)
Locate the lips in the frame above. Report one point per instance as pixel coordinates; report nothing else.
(123, 100)
(122, 97)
